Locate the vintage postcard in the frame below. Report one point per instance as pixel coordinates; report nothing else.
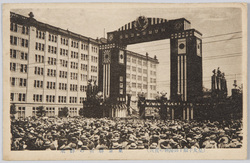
(122, 81)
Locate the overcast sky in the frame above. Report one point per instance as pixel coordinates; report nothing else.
(225, 53)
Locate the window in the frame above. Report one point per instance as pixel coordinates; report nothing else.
(21, 112)
(38, 84)
(144, 63)
(73, 112)
(74, 65)
(139, 70)
(63, 74)
(13, 27)
(83, 88)
(39, 58)
(13, 53)
(62, 86)
(37, 98)
(72, 99)
(40, 34)
(13, 66)
(63, 63)
(51, 85)
(145, 79)
(139, 85)
(128, 67)
(24, 56)
(134, 69)
(134, 60)
(50, 112)
(74, 55)
(38, 71)
(39, 46)
(145, 71)
(51, 61)
(94, 78)
(51, 72)
(133, 77)
(52, 38)
(145, 86)
(133, 85)
(12, 81)
(21, 96)
(63, 52)
(50, 98)
(22, 82)
(73, 87)
(84, 67)
(121, 78)
(84, 57)
(74, 44)
(128, 59)
(139, 78)
(93, 68)
(23, 68)
(128, 76)
(73, 76)
(13, 40)
(64, 41)
(84, 77)
(25, 30)
(139, 62)
(62, 99)
(52, 49)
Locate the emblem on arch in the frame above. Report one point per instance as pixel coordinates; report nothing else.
(141, 23)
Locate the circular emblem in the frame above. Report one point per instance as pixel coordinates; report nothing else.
(111, 36)
(106, 56)
(121, 56)
(141, 23)
(181, 46)
(178, 25)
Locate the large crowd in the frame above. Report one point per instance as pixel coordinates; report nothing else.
(96, 134)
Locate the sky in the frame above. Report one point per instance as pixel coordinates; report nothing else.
(218, 51)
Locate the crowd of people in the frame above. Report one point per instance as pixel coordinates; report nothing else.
(96, 134)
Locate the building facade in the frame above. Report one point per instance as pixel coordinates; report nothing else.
(49, 67)
(141, 76)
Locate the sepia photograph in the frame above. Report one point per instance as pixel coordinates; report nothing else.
(124, 81)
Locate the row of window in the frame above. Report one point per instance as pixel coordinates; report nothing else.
(52, 38)
(93, 68)
(17, 97)
(51, 85)
(18, 54)
(84, 57)
(94, 49)
(139, 85)
(52, 49)
(39, 46)
(40, 34)
(64, 41)
(139, 69)
(84, 67)
(73, 87)
(19, 41)
(74, 65)
(49, 98)
(74, 54)
(64, 52)
(94, 59)
(14, 81)
(18, 28)
(15, 66)
(138, 77)
(51, 61)
(51, 72)
(63, 63)
(38, 84)
(39, 58)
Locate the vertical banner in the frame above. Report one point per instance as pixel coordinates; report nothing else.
(121, 56)
(182, 46)
(198, 47)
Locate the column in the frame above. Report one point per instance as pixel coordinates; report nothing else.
(187, 113)
(184, 113)
(192, 113)
(172, 113)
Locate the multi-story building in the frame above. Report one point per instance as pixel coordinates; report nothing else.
(141, 75)
(49, 66)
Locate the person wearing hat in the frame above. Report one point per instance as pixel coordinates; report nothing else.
(140, 145)
(132, 146)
